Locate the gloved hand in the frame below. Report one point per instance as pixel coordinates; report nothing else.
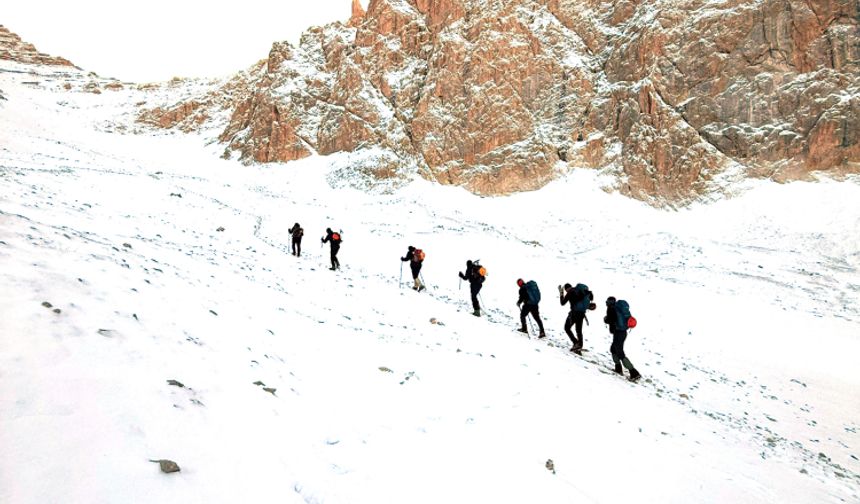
(519, 303)
(560, 289)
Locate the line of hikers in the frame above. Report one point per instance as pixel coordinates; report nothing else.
(579, 298)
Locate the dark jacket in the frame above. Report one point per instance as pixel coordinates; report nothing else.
(573, 297)
(524, 296)
(329, 238)
(410, 256)
(611, 317)
(297, 232)
(472, 274)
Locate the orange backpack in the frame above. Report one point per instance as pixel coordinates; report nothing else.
(418, 255)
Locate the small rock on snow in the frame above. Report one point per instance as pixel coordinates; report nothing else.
(167, 466)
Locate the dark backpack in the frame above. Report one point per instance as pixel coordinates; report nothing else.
(584, 298)
(622, 314)
(532, 292)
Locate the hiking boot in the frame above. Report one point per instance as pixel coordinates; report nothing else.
(542, 335)
(634, 375)
(476, 313)
(415, 288)
(576, 350)
(618, 369)
(421, 288)
(332, 268)
(523, 330)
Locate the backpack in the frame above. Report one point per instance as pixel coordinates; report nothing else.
(480, 270)
(584, 298)
(624, 320)
(418, 255)
(532, 292)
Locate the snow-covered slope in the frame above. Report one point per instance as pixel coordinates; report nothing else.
(304, 385)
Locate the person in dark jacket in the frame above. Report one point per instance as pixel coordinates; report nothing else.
(475, 279)
(334, 239)
(415, 264)
(527, 308)
(618, 337)
(579, 302)
(297, 232)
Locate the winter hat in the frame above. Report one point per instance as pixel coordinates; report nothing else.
(328, 230)
(520, 282)
(567, 286)
(411, 248)
(468, 263)
(610, 300)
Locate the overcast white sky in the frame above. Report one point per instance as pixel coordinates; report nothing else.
(153, 40)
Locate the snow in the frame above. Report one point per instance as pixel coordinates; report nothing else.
(747, 339)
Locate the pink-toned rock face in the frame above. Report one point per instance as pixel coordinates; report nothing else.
(501, 96)
(14, 49)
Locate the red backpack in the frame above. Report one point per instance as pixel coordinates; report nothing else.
(418, 255)
(335, 237)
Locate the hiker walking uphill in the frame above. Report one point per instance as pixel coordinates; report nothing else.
(416, 260)
(529, 298)
(579, 298)
(296, 232)
(475, 274)
(619, 319)
(334, 239)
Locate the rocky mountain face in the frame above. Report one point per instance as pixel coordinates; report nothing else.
(670, 97)
(14, 49)
(501, 96)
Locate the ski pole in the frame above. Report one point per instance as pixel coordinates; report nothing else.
(421, 276)
(531, 326)
(400, 282)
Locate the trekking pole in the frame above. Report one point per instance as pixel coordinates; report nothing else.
(400, 282)
(527, 333)
(421, 276)
(531, 326)
(482, 303)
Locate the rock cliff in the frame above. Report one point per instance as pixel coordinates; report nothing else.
(14, 49)
(499, 96)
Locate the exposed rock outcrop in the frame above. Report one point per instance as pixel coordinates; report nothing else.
(502, 96)
(14, 49)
